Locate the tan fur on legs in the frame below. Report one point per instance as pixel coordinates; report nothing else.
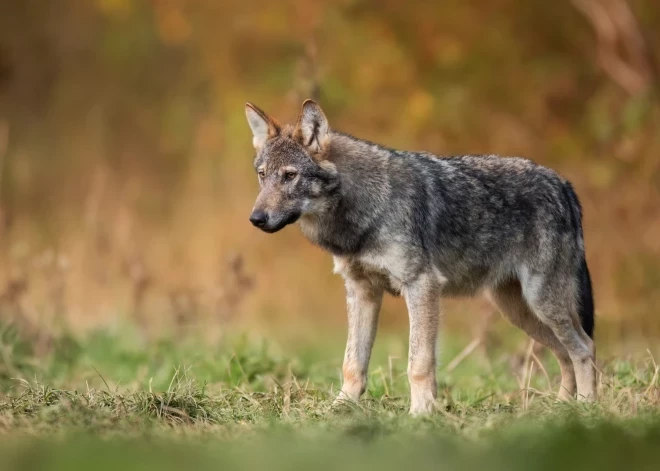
(422, 299)
(509, 300)
(585, 371)
(554, 303)
(364, 300)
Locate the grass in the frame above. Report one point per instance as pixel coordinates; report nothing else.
(112, 399)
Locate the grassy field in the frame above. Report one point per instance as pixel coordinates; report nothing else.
(113, 399)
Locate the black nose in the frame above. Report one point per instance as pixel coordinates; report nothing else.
(259, 218)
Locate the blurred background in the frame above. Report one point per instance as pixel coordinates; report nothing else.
(126, 176)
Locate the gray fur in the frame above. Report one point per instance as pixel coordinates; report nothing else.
(427, 227)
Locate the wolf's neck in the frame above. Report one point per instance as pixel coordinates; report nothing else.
(361, 198)
(342, 144)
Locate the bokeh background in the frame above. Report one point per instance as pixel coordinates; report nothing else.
(126, 174)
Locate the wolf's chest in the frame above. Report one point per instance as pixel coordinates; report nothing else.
(391, 262)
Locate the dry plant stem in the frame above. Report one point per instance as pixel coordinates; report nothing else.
(527, 378)
(474, 344)
(466, 352)
(615, 24)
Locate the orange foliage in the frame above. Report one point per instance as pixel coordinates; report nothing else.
(126, 178)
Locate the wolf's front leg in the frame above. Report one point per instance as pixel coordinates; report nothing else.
(363, 300)
(423, 300)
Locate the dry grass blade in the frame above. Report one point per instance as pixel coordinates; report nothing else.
(466, 352)
(286, 402)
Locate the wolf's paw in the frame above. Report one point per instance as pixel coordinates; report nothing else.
(343, 402)
(422, 408)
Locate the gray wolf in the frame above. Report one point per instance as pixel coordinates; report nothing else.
(427, 227)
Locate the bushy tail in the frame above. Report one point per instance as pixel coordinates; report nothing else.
(586, 307)
(586, 298)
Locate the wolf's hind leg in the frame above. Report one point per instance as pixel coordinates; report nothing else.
(363, 300)
(509, 300)
(554, 301)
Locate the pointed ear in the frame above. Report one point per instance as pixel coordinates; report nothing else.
(312, 127)
(263, 126)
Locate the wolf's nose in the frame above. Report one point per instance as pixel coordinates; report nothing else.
(258, 218)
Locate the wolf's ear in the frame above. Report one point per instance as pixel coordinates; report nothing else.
(263, 126)
(312, 127)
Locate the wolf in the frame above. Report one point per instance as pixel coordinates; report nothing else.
(427, 227)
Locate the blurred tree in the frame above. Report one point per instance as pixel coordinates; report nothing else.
(128, 145)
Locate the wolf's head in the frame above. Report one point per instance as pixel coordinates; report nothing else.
(294, 174)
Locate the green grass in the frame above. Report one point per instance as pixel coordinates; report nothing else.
(113, 400)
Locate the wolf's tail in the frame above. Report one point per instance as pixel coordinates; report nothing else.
(585, 292)
(586, 301)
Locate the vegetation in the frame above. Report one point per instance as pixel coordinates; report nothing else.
(110, 399)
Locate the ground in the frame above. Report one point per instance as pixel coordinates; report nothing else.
(115, 399)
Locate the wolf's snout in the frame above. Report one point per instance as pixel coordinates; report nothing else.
(259, 218)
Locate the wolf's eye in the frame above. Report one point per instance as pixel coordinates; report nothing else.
(261, 174)
(288, 176)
